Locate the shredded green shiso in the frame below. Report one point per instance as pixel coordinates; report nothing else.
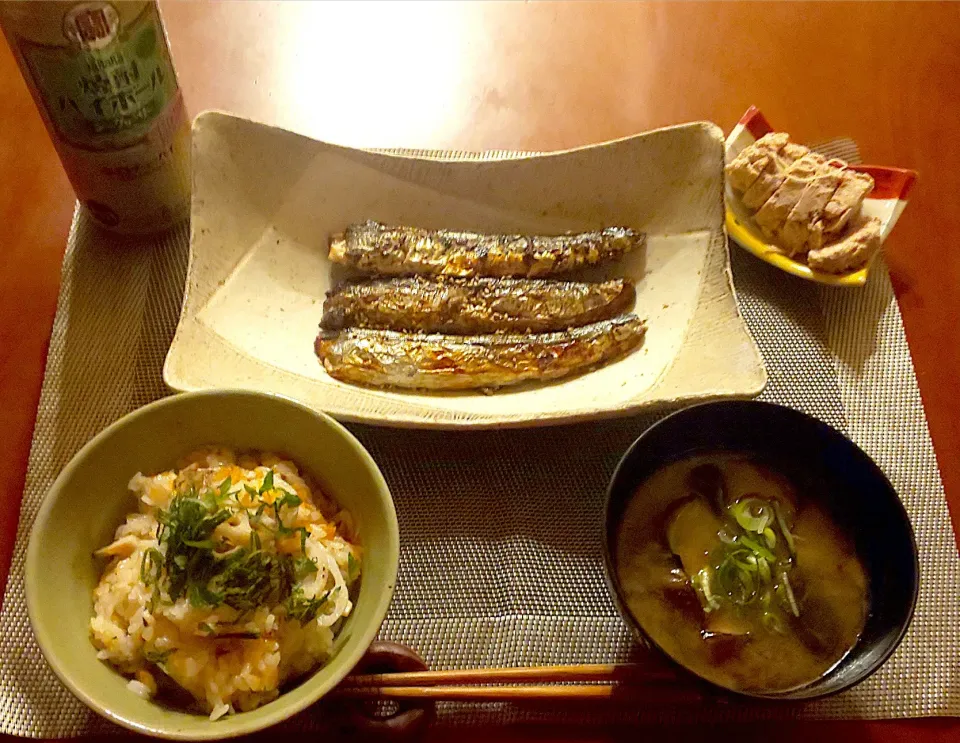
(189, 563)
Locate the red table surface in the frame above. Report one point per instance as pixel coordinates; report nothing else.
(542, 76)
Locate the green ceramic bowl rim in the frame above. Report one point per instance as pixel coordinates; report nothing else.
(347, 660)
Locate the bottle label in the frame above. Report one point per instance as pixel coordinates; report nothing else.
(104, 90)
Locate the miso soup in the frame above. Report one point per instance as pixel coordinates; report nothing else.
(738, 576)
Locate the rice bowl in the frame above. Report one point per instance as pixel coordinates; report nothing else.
(91, 497)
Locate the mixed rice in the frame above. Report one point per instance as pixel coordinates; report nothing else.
(233, 577)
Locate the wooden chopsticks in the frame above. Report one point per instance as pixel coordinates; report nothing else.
(478, 693)
(587, 681)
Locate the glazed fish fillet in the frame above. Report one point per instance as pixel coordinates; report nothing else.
(402, 251)
(385, 358)
(474, 306)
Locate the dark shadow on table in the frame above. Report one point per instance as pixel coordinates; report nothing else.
(820, 313)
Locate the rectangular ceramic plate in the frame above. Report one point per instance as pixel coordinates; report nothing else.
(265, 202)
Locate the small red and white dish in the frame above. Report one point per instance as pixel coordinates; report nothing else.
(886, 202)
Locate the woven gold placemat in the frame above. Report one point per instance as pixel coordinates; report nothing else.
(500, 530)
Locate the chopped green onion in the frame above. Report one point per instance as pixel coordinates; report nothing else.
(785, 582)
(726, 537)
(783, 528)
(771, 537)
(752, 514)
(701, 582)
(758, 549)
(771, 622)
(765, 574)
(735, 577)
(748, 583)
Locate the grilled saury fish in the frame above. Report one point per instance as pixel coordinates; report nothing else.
(397, 251)
(474, 306)
(385, 358)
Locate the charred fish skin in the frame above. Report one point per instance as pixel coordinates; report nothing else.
(386, 358)
(474, 306)
(372, 247)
